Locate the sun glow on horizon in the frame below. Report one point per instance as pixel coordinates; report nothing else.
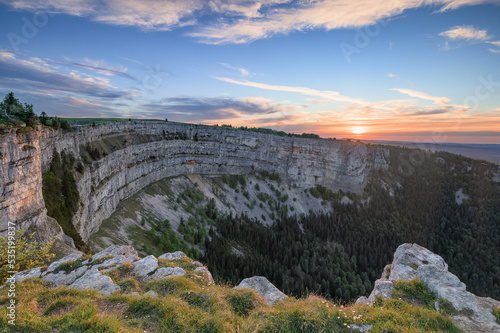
(358, 130)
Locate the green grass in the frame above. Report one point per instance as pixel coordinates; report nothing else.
(496, 313)
(187, 305)
(414, 292)
(69, 266)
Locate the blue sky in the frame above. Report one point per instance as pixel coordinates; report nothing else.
(370, 69)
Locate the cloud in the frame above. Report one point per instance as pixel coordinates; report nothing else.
(99, 67)
(317, 101)
(429, 112)
(331, 95)
(236, 21)
(243, 72)
(359, 108)
(194, 109)
(468, 33)
(422, 95)
(39, 75)
(496, 43)
(394, 76)
(148, 15)
(303, 16)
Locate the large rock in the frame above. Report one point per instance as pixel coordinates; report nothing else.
(264, 288)
(145, 266)
(206, 273)
(55, 264)
(411, 261)
(165, 272)
(93, 279)
(64, 278)
(173, 256)
(31, 273)
(409, 256)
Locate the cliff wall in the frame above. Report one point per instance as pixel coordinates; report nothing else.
(139, 153)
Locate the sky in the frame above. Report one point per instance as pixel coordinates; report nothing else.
(406, 70)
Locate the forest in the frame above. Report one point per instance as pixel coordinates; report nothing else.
(340, 255)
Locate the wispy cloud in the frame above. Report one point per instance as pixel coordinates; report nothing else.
(317, 101)
(24, 73)
(243, 71)
(148, 15)
(360, 108)
(309, 15)
(466, 33)
(236, 21)
(394, 76)
(422, 95)
(98, 67)
(331, 95)
(196, 109)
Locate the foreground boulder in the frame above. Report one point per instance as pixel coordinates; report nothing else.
(264, 288)
(93, 279)
(412, 261)
(78, 273)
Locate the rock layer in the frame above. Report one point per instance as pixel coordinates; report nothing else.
(139, 154)
(412, 261)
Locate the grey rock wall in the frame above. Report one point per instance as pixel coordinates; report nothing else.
(150, 151)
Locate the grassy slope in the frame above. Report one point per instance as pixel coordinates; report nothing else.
(188, 304)
(161, 201)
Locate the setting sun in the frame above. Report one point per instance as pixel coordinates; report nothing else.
(358, 130)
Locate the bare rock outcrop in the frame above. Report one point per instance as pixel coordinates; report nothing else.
(412, 261)
(93, 279)
(79, 273)
(264, 288)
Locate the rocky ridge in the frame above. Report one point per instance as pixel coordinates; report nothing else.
(75, 272)
(412, 261)
(108, 272)
(138, 154)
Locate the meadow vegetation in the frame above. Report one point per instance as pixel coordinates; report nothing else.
(188, 304)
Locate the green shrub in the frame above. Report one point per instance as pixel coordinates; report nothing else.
(414, 292)
(242, 302)
(69, 266)
(101, 260)
(129, 285)
(496, 313)
(20, 252)
(446, 307)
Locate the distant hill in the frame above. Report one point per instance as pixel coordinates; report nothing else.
(488, 152)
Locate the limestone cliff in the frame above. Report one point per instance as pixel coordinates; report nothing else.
(139, 153)
(21, 199)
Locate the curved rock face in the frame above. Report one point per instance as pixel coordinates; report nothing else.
(139, 154)
(411, 261)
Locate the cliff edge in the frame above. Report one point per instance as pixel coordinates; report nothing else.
(133, 155)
